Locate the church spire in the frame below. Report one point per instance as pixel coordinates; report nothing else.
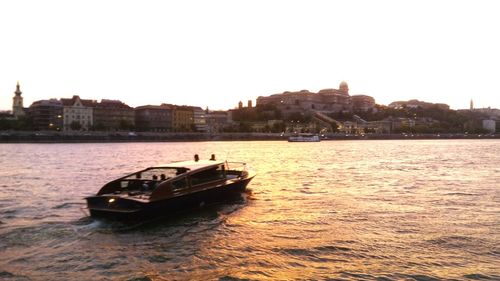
(17, 103)
(18, 89)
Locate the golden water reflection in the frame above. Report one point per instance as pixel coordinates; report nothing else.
(373, 210)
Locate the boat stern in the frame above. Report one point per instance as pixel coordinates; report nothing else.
(112, 206)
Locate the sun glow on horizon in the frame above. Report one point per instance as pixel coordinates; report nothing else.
(219, 53)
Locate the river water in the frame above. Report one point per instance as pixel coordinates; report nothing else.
(334, 210)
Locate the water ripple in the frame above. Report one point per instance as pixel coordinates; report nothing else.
(378, 210)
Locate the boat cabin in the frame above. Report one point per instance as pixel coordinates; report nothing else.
(172, 180)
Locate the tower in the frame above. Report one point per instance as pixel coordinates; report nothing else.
(471, 104)
(17, 104)
(344, 88)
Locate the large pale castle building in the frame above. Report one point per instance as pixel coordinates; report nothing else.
(326, 100)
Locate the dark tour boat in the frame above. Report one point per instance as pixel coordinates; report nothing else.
(163, 190)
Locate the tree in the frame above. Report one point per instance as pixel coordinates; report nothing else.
(299, 116)
(99, 127)
(278, 127)
(244, 127)
(278, 114)
(335, 127)
(6, 124)
(125, 125)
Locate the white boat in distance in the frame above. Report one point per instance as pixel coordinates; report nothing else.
(304, 138)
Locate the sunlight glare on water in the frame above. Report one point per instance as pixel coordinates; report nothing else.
(360, 210)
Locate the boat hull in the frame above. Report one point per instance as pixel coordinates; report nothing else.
(130, 209)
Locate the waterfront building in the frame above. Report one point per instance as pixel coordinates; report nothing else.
(216, 121)
(155, 118)
(17, 103)
(403, 123)
(360, 126)
(378, 127)
(199, 119)
(489, 125)
(362, 103)
(113, 115)
(230, 115)
(400, 123)
(78, 113)
(182, 120)
(47, 115)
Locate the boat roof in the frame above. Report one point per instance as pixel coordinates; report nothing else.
(190, 165)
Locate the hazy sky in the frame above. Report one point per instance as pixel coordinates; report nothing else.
(216, 53)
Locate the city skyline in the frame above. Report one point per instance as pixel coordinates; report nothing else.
(219, 53)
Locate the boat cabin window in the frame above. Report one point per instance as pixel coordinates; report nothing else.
(179, 184)
(212, 174)
(148, 178)
(180, 171)
(153, 174)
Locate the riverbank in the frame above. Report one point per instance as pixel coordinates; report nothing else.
(68, 137)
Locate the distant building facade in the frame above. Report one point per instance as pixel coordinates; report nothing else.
(113, 115)
(183, 117)
(78, 112)
(217, 121)
(492, 112)
(489, 125)
(17, 103)
(199, 119)
(155, 118)
(47, 115)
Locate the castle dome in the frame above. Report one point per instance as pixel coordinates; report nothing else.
(343, 87)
